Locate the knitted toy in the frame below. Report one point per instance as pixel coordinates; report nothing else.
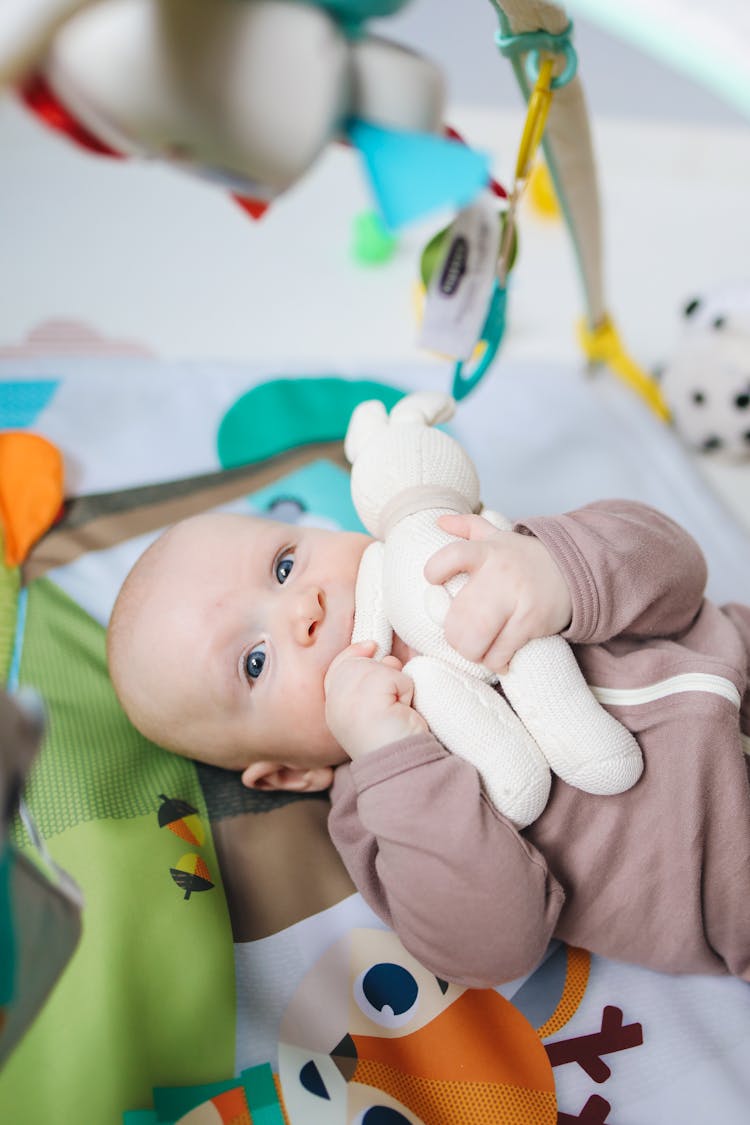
(405, 475)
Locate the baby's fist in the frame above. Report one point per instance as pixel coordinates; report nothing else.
(368, 702)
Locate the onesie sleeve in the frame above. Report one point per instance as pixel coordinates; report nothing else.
(467, 895)
(631, 570)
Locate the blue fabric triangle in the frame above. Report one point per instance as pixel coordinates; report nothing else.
(415, 173)
(22, 401)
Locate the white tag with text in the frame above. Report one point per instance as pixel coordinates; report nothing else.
(460, 288)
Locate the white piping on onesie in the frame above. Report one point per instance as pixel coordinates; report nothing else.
(688, 681)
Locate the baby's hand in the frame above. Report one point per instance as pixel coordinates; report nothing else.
(514, 593)
(368, 702)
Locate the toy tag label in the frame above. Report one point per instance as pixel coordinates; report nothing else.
(461, 284)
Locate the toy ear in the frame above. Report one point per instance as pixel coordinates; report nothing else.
(366, 420)
(428, 407)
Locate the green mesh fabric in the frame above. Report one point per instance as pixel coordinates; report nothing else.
(226, 796)
(9, 587)
(94, 764)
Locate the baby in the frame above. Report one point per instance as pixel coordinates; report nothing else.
(229, 643)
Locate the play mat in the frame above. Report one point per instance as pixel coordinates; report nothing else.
(227, 969)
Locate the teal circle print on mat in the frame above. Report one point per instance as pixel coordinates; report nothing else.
(284, 413)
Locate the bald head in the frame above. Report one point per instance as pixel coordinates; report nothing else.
(164, 633)
(213, 592)
(132, 658)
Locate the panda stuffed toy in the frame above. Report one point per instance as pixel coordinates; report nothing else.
(707, 382)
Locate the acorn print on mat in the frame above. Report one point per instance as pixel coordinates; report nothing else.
(182, 819)
(191, 874)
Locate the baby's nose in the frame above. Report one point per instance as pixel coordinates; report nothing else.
(309, 615)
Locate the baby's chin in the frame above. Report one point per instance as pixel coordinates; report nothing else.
(335, 757)
(319, 748)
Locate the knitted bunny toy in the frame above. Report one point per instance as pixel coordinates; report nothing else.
(405, 474)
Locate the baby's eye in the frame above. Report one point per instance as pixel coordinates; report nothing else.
(254, 662)
(283, 568)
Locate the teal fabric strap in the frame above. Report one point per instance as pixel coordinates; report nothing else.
(15, 660)
(8, 951)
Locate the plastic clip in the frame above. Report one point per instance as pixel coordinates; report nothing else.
(490, 339)
(532, 43)
(533, 131)
(536, 119)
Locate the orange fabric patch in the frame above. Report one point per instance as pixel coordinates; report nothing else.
(481, 1103)
(31, 490)
(480, 1037)
(576, 980)
(480, 1060)
(280, 1096)
(232, 1107)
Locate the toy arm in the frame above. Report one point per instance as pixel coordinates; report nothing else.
(584, 745)
(370, 621)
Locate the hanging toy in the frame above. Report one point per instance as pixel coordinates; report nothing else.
(476, 329)
(465, 306)
(251, 94)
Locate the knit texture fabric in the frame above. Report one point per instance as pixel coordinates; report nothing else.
(549, 718)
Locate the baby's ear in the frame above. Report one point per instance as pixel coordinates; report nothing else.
(295, 779)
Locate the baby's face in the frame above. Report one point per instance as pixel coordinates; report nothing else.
(248, 616)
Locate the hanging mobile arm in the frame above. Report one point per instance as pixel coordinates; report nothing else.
(569, 155)
(567, 139)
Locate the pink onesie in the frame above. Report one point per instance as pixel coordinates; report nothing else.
(659, 875)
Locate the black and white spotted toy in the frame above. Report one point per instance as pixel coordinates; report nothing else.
(707, 382)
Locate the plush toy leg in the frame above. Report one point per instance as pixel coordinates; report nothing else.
(584, 744)
(474, 721)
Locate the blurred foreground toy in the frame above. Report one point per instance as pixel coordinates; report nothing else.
(405, 474)
(250, 92)
(40, 905)
(707, 381)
